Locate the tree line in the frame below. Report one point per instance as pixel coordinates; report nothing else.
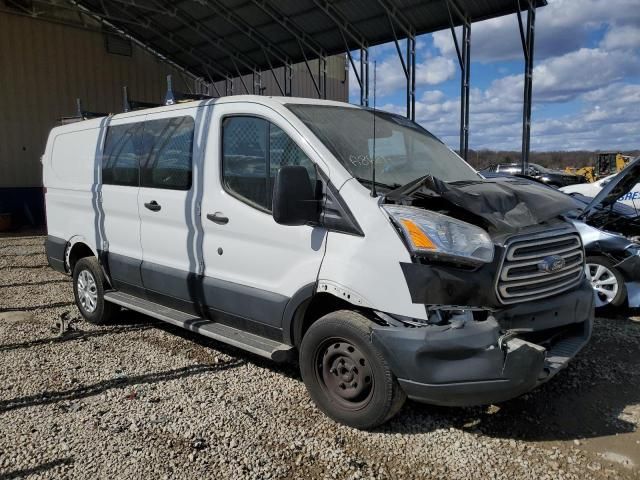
(480, 159)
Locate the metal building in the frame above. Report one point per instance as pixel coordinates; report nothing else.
(50, 60)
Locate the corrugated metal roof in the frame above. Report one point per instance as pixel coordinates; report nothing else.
(218, 38)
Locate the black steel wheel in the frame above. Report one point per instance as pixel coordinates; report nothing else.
(346, 375)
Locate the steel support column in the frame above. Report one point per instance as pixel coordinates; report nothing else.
(408, 64)
(464, 60)
(395, 16)
(411, 45)
(364, 77)
(465, 77)
(288, 80)
(322, 76)
(527, 39)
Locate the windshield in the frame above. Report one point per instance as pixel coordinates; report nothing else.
(404, 151)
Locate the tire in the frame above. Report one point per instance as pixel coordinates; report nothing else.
(347, 377)
(88, 290)
(607, 282)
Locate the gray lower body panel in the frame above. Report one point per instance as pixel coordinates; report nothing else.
(244, 307)
(253, 343)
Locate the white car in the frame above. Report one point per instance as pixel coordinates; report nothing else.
(631, 198)
(266, 223)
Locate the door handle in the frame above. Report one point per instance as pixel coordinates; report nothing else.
(218, 218)
(153, 206)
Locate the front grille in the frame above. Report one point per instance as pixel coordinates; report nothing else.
(522, 279)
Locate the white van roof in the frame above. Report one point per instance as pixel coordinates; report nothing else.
(259, 99)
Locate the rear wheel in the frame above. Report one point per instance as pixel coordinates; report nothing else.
(346, 375)
(88, 290)
(607, 282)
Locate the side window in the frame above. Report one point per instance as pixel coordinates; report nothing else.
(120, 160)
(283, 151)
(244, 158)
(168, 152)
(253, 150)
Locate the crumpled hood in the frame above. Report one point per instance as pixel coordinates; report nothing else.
(506, 204)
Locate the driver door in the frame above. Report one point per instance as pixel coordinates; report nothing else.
(253, 266)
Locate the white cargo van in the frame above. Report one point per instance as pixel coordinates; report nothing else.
(260, 222)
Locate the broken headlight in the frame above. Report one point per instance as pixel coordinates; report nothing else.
(442, 237)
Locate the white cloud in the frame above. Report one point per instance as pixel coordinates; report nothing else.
(610, 124)
(608, 120)
(432, 96)
(434, 71)
(561, 27)
(626, 37)
(390, 75)
(563, 78)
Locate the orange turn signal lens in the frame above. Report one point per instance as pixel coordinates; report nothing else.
(417, 236)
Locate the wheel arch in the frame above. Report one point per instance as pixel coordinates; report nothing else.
(306, 307)
(77, 248)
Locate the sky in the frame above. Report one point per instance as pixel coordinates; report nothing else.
(586, 80)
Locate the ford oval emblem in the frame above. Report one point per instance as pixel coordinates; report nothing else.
(551, 264)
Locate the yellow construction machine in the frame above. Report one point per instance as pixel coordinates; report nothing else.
(610, 163)
(589, 173)
(606, 163)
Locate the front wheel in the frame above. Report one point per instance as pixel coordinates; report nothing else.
(346, 375)
(606, 281)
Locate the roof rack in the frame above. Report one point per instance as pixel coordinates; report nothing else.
(80, 115)
(129, 105)
(171, 98)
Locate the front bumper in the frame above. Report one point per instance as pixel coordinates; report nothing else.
(511, 352)
(630, 269)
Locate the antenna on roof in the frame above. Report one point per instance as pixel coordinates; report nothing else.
(373, 160)
(125, 100)
(132, 104)
(175, 97)
(169, 98)
(79, 115)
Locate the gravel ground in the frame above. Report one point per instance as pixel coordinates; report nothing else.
(140, 399)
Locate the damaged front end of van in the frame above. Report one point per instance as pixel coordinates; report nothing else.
(475, 287)
(507, 301)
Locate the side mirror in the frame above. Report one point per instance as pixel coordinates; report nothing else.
(294, 201)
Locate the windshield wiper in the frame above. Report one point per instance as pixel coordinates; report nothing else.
(378, 184)
(409, 187)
